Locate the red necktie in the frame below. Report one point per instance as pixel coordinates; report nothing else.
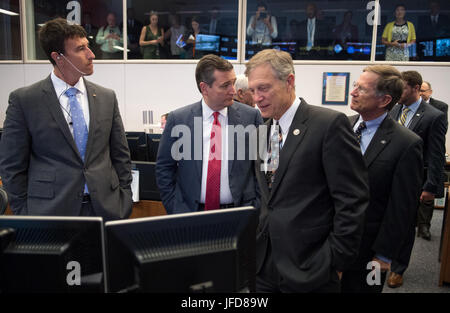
(212, 198)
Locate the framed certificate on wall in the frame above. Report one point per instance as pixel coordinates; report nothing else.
(335, 88)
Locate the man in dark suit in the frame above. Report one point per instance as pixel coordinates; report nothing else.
(313, 192)
(430, 124)
(435, 24)
(393, 155)
(426, 92)
(313, 34)
(200, 163)
(63, 150)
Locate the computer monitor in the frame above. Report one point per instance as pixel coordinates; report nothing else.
(148, 189)
(152, 146)
(209, 251)
(207, 42)
(52, 254)
(137, 143)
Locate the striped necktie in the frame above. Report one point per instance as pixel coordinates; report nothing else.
(402, 119)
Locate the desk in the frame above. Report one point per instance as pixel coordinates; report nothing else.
(143, 208)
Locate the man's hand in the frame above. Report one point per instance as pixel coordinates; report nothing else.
(426, 196)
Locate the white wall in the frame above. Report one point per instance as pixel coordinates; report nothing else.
(165, 87)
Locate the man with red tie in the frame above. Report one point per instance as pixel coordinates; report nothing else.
(202, 163)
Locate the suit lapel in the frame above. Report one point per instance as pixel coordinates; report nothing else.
(417, 117)
(292, 142)
(93, 116)
(197, 137)
(234, 119)
(379, 141)
(259, 170)
(52, 101)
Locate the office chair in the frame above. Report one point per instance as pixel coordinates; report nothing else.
(3, 201)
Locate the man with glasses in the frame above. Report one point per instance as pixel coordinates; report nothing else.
(393, 156)
(426, 92)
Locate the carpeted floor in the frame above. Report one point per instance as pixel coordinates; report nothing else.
(422, 275)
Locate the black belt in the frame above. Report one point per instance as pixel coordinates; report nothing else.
(201, 206)
(86, 198)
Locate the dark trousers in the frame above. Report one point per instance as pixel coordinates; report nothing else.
(268, 280)
(425, 213)
(400, 264)
(355, 281)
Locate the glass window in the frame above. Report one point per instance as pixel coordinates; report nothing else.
(182, 30)
(10, 46)
(100, 18)
(414, 31)
(310, 30)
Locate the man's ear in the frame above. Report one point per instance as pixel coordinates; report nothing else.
(204, 88)
(55, 56)
(386, 100)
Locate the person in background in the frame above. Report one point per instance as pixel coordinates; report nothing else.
(175, 32)
(262, 27)
(426, 92)
(164, 120)
(398, 36)
(393, 156)
(345, 32)
(190, 38)
(110, 39)
(243, 94)
(152, 37)
(134, 27)
(63, 150)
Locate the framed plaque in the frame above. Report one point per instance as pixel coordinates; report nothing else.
(335, 88)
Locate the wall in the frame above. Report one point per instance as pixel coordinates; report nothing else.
(165, 87)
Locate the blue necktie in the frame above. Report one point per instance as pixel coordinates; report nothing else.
(80, 131)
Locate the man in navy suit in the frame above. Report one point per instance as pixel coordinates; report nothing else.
(202, 164)
(393, 156)
(431, 125)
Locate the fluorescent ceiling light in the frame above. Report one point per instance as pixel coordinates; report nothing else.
(8, 12)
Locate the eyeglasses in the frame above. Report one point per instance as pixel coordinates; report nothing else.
(424, 90)
(360, 89)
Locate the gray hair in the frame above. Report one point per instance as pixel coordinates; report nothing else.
(241, 82)
(280, 61)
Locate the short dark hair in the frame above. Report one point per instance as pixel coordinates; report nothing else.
(204, 72)
(412, 78)
(390, 82)
(261, 4)
(54, 33)
(400, 5)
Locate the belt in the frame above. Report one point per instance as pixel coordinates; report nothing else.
(86, 198)
(201, 206)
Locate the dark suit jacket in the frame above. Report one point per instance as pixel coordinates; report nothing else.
(41, 168)
(179, 182)
(430, 124)
(394, 161)
(442, 106)
(427, 30)
(322, 35)
(314, 214)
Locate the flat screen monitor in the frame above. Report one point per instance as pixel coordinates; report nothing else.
(137, 143)
(443, 47)
(209, 251)
(152, 146)
(148, 189)
(207, 42)
(52, 254)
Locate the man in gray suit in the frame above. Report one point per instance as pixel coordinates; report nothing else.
(63, 150)
(202, 164)
(313, 202)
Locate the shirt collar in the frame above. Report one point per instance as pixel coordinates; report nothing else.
(61, 86)
(413, 107)
(372, 124)
(207, 112)
(286, 120)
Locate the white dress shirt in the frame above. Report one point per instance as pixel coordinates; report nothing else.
(208, 119)
(60, 89)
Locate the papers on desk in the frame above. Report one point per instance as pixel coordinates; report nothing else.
(135, 185)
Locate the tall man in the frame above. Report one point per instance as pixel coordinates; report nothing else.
(197, 167)
(430, 124)
(313, 202)
(63, 149)
(393, 155)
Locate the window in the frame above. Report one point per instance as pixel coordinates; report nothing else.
(310, 30)
(414, 31)
(182, 30)
(10, 47)
(100, 18)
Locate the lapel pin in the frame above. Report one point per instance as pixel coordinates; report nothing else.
(418, 114)
(383, 142)
(296, 132)
(94, 95)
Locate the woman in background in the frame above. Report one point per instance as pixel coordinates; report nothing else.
(398, 36)
(151, 38)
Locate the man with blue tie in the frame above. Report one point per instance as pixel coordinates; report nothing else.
(212, 168)
(393, 156)
(63, 151)
(431, 125)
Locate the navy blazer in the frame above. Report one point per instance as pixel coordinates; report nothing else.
(431, 125)
(179, 181)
